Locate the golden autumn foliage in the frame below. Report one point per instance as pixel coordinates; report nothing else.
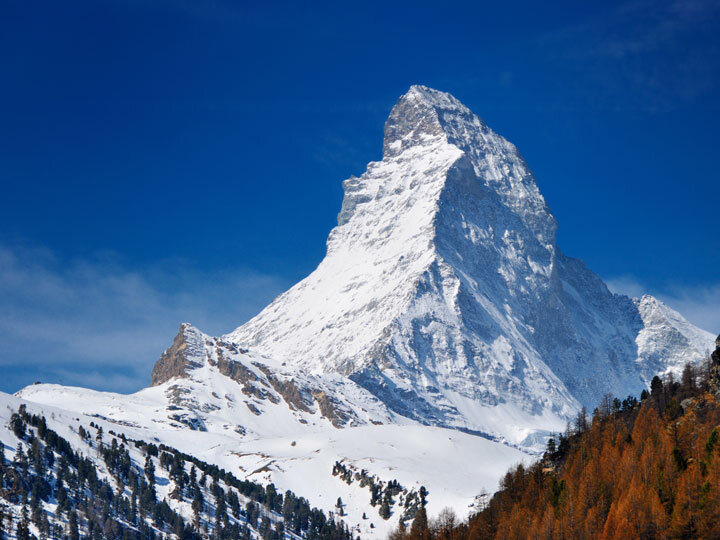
(646, 470)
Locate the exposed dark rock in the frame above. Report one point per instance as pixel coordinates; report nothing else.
(193, 422)
(236, 371)
(289, 391)
(250, 383)
(180, 397)
(174, 361)
(330, 409)
(253, 408)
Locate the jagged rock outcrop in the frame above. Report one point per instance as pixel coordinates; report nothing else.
(174, 362)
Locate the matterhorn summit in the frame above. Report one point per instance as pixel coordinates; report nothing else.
(445, 295)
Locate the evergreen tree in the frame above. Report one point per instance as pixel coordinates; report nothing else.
(73, 533)
(19, 458)
(23, 528)
(423, 496)
(149, 470)
(264, 529)
(339, 506)
(197, 506)
(385, 508)
(581, 421)
(35, 508)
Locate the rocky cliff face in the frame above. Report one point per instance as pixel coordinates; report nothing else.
(443, 291)
(175, 361)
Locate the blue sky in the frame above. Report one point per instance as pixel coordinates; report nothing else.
(164, 161)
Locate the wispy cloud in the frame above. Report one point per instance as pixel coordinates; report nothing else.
(627, 285)
(100, 323)
(700, 304)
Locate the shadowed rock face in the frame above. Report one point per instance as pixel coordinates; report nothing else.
(174, 361)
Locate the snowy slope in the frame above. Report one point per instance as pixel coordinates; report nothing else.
(85, 434)
(444, 293)
(205, 413)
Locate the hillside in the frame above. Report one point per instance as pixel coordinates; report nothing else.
(639, 468)
(84, 482)
(253, 417)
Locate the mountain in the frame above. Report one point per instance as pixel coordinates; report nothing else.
(444, 328)
(444, 293)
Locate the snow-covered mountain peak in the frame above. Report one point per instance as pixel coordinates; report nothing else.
(420, 117)
(667, 340)
(443, 291)
(424, 120)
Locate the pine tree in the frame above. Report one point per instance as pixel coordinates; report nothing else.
(423, 496)
(385, 508)
(73, 533)
(23, 528)
(550, 449)
(149, 470)
(197, 506)
(44, 526)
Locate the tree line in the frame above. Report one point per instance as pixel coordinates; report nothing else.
(646, 467)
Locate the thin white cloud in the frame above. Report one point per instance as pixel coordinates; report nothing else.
(627, 285)
(101, 323)
(700, 304)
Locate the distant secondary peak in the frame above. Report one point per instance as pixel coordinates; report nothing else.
(421, 113)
